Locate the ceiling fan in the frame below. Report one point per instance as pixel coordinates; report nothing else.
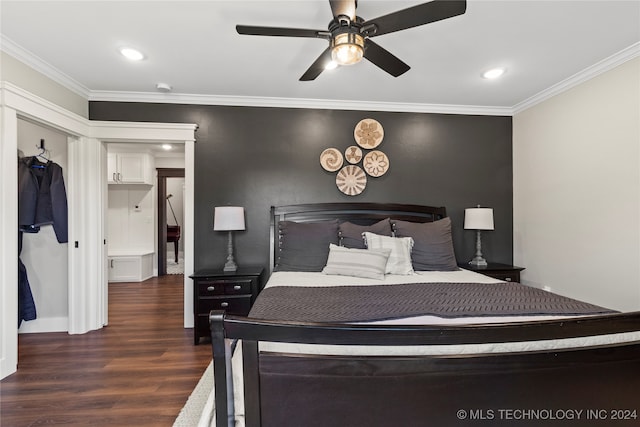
(350, 36)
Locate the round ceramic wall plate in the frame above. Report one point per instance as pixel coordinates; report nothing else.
(376, 163)
(353, 154)
(331, 159)
(368, 133)
(351, 180)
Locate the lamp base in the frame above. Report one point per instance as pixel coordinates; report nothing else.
(230, 267)
(478, 261)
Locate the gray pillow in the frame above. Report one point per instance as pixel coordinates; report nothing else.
(305, 246)
(351, 234)
(432, 244)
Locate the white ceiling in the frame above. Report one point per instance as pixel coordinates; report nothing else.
(193, 46)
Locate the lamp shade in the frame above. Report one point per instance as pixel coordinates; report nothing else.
(478, 219)
(228, 218)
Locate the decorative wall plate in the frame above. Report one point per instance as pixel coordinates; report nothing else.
(353, 154)
(376, 163)
(368, 133)
(331, 159)
(351, 180)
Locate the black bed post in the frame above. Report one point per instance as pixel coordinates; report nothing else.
(222, 383)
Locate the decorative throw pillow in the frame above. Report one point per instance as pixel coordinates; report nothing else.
(351, 234)
(433, 245)
(368, 263)
(400, 258)
(305, 246)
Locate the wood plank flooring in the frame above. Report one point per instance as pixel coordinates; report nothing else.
(137, 371)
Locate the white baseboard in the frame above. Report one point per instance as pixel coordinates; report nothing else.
(47, 324)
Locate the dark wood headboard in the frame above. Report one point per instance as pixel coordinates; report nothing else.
(357, 213)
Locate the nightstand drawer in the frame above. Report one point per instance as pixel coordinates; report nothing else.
(511, 276)
(238, 287)
(224, 287)
(233, 305)
(506, 272)
(210, 287)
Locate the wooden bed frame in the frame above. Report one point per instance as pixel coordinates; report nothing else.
(577, 386)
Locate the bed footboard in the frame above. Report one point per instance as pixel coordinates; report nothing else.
(578, 386)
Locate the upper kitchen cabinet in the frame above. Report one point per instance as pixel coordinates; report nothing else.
(129, 168)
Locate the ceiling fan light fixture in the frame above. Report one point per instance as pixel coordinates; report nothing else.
(347, 48)
(331, 65)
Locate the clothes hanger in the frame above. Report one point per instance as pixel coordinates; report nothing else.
(41, 156)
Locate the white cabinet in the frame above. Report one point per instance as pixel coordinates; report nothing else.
(130, 267)
(129, 168)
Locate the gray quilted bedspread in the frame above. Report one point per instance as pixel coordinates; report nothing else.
(383, 302)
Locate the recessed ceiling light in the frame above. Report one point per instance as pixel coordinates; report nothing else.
(331, 65)
(132, 54)
(167, 146)
(493, 73)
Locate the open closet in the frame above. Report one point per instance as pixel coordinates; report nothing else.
(45, 260)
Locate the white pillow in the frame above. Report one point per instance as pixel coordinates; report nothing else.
(366, 263)
(400, 259)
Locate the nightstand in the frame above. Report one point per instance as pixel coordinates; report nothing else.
(233, 292)
(506, 272)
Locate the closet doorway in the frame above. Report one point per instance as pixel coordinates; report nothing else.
(170, 218)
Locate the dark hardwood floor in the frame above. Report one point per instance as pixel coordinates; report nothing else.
(137, 371)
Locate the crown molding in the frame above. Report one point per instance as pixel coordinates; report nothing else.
(589, 73)
(23, 55)
(332, 104)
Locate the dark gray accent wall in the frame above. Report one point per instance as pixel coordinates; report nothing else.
(258, 157)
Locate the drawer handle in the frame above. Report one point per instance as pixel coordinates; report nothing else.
(224, 304)
(211, 288)
(237, 287)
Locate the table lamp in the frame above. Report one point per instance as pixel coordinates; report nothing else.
(229, 218)
(478, 219)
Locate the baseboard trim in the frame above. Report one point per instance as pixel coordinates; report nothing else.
(45, 324)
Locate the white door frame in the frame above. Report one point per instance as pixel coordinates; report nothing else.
(87, 194)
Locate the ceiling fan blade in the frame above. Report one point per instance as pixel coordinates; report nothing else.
(421, 14)
(343, 7)
(317, 67)
(282, 32)
(384, 59)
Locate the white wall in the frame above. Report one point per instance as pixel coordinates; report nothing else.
(46, 260)
(576, 161)
(175, 161)
(130, 218)
(27, 78)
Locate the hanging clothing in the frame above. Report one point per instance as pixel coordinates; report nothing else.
(42, 198)
(26, 304)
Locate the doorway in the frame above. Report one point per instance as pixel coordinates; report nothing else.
(170, 215)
